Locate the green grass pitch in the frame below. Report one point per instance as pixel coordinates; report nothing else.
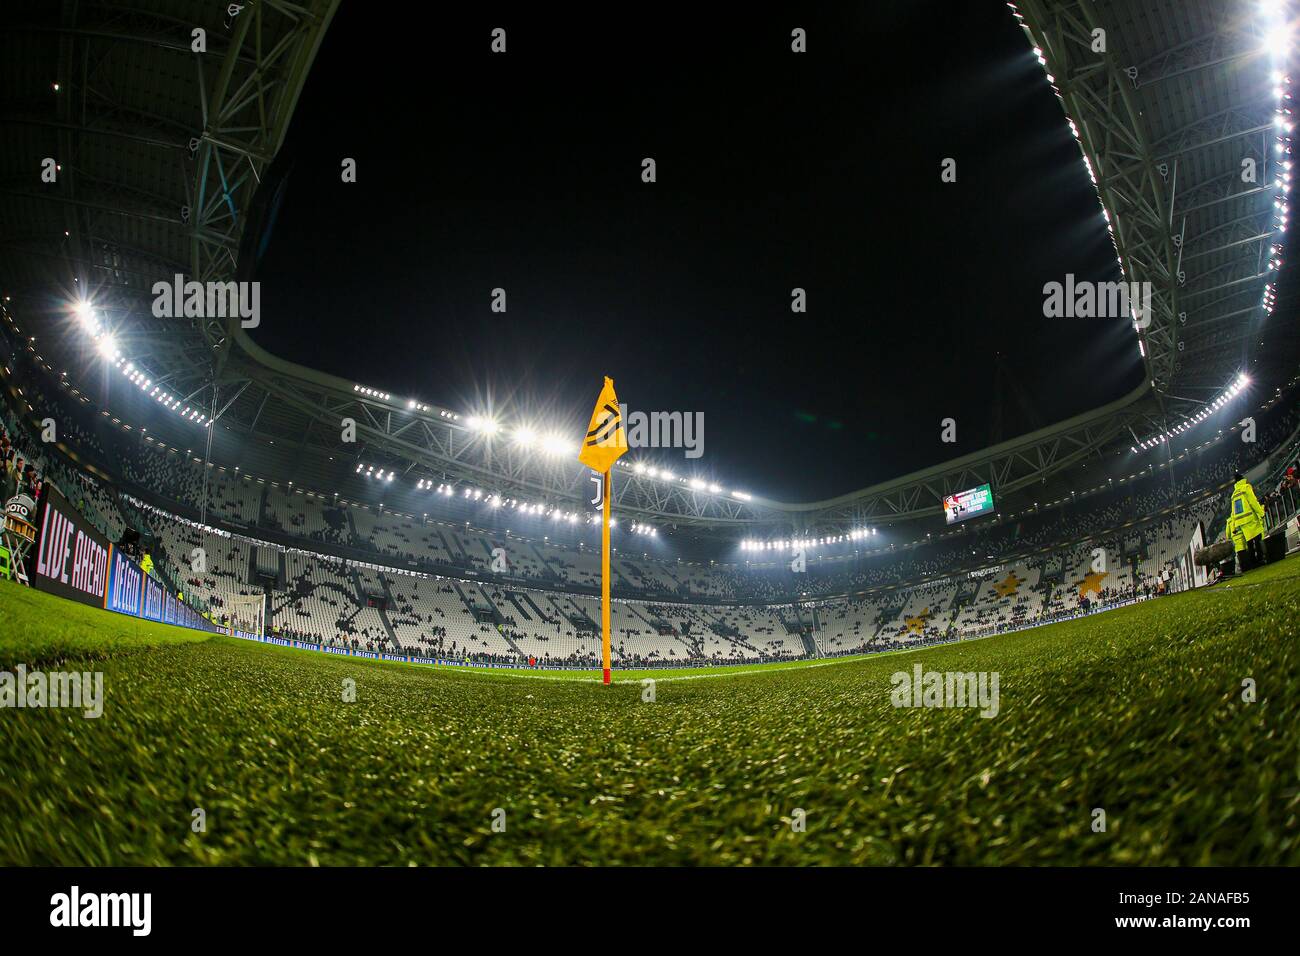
(1138, 712)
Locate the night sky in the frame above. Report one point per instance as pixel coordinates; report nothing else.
(775, 171)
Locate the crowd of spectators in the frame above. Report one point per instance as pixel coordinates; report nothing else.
(321, 598)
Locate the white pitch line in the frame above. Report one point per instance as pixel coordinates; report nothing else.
(736, 673)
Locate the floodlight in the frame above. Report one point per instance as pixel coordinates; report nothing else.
(555, 445)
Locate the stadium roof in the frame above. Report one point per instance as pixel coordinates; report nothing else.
(160, 151)
(160, 118)
(1181, 122)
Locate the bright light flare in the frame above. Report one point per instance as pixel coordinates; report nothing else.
(556, 445)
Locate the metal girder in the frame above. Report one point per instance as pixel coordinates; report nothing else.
(428, 445)
(246, 113)
(1098, 94)
(1166, 133)
(1208, 49)
(1181, 146)
(153, 182)
(1212, 193)
(1232, 124)
(142, 135)
(424, 445)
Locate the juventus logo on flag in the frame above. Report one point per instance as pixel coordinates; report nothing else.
(601, 433)
(606, 439)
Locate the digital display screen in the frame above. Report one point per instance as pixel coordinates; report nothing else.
(968, 504)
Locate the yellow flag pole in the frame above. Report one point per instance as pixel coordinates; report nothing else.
(604, 574)
(605, 443)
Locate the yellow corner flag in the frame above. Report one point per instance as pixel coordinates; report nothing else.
(605, 443)
(606, 439)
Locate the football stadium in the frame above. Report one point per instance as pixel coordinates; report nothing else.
(490, 438)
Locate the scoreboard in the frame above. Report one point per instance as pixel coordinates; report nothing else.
(968, 504)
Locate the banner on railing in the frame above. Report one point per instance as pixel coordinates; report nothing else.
(75, 561)
(152, 609)
(71, 556)
(125, 585)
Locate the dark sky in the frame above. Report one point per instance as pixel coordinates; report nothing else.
(775, 170)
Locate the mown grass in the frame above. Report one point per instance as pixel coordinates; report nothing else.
(36, 628)
(1138, 712)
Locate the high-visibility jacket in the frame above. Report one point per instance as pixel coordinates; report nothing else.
(146, 563)
(1245, 516)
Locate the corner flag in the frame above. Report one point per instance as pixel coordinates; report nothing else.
(604, 444)
(606, 439)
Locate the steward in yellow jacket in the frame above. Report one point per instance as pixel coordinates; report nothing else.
(1245, 517)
